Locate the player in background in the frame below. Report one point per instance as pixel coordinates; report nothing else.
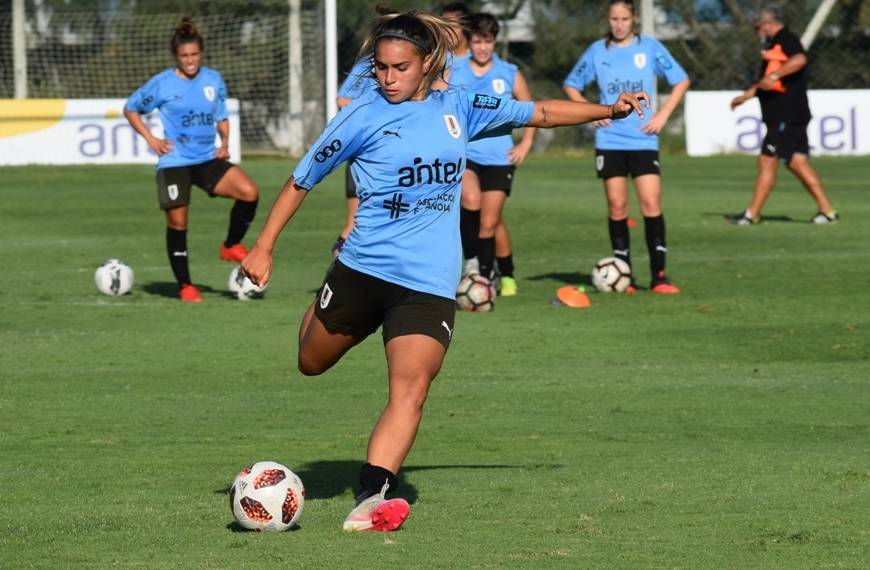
(626, 61)
(400, 264)
(191, 100)
(488, 177)
(785, 111)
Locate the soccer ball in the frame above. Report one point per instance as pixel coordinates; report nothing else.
(267, 496)
(114, 277)
(475, 293)
(611, 274)
(242, 287)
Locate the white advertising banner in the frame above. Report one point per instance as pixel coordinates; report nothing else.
(840, 125)
(83, 131)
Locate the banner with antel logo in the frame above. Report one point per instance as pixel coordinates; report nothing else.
(840, 124)
(83, 131)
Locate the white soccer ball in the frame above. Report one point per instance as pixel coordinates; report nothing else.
(611, 274)
(267, 496)
(242, 287)
(475, 293)
(114, 277)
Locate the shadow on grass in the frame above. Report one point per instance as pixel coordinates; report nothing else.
(328, 479)
(170, 289)
(772, 219)
(236, 527)
(560, 278)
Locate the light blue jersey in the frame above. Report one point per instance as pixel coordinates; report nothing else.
(190, 110)
(630, 68)
(408, 161)
(359, 80)
(497, 81)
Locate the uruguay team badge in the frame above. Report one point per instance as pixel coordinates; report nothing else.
(640, 60)
(452, 126)
(209, 92)
(498, 86)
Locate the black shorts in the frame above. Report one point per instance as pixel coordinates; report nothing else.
(354, 303)
(611, 163)
(173, 184)
(493, 177)
(784, 140)
(349, 183)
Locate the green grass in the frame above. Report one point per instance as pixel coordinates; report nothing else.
(726, 427)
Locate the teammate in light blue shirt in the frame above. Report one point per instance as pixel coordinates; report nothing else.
(399, 266)
(191, 100)
(626, 61)
(491, 161)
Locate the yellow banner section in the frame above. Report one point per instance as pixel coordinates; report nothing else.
(20, 116)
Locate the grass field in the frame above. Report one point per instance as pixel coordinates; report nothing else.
(726, 427)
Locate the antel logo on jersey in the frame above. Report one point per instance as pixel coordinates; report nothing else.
(208, 91)
(328, 151)
(498, 86)
(437, 172)
(616, 87)
(640, 60)
(192, 119)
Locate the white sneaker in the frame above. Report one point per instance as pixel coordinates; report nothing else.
(472, 267)
(831, 217)
(378, 513)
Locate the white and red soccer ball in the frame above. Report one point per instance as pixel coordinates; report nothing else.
(475, 293)
(611, 274)
(267, 496)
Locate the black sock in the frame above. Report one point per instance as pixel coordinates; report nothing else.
(655, 243)
(176, 248)
(620, 241)
(469, 228)
(486, 255)
(372, 479)
(241, 217)
(506, 265)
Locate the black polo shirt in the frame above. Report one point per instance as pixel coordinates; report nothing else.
(788, 103)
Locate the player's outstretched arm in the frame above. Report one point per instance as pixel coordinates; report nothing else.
(560, 113)
(258, 264)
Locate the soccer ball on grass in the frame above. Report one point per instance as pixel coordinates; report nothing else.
(267, 496)
(114, 277)
(242, 287)
(611, 274)
(475, 293)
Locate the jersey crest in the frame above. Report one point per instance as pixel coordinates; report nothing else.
(498, 86)
(452, 126)
(209, 92)
(640, 60)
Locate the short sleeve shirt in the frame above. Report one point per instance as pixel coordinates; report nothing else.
(190, 110)
(408, 162)
(788, 102)
(634, 67)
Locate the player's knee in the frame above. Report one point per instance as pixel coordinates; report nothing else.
(310, 366)
(248, 192)
(618, 211)
(412, 393)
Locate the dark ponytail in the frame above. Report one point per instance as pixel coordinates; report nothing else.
(185, 33)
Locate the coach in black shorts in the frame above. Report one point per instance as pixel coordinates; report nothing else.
(785, 111)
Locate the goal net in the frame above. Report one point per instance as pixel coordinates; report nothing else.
(111, 49)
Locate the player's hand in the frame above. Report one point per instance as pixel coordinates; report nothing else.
(765, 84)
(628, 103)
(160, 146)
(737, 101)
(258, 266)
(517, 154)
(222, 153)
(655, 125)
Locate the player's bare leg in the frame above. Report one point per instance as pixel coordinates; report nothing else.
(764, 183)
(800, 167)
(320, 349)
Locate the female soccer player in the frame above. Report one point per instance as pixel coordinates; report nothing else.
(491, 161)
(626, 61)
(400, 264)
(191, 100)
